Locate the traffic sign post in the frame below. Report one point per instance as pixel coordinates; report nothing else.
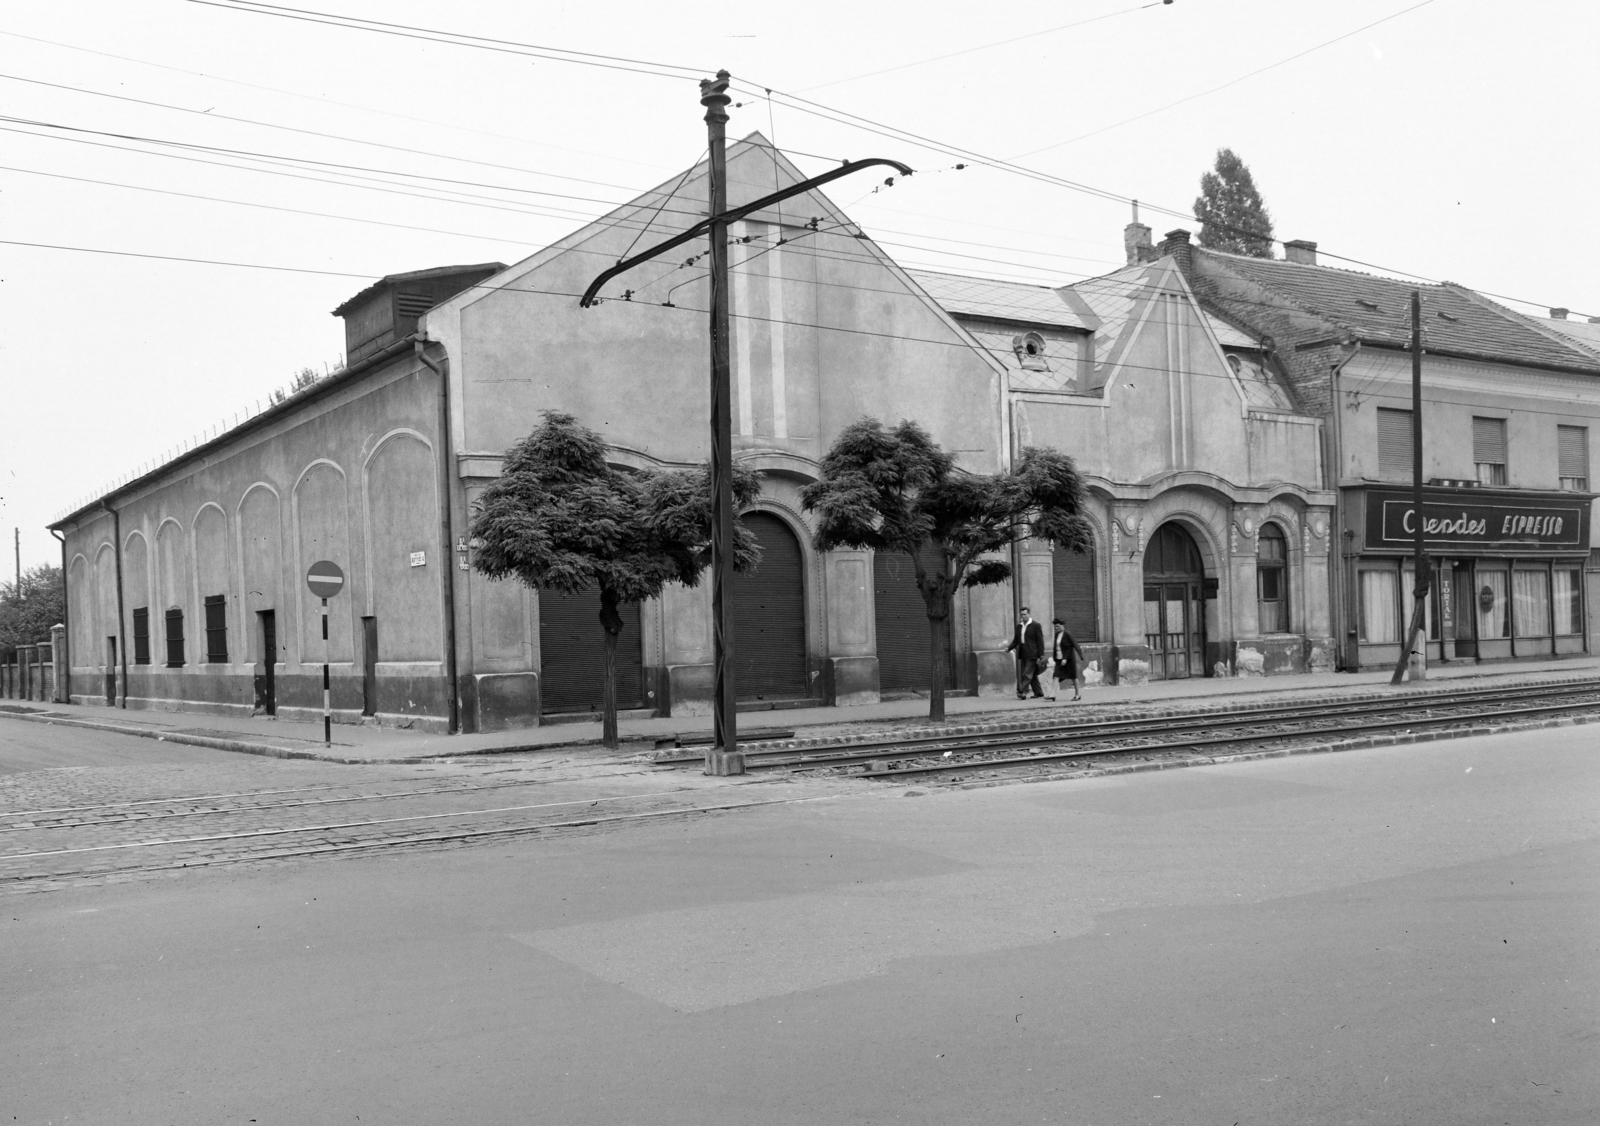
(325, 580)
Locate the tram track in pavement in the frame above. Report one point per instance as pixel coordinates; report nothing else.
(1057, 749)
(168, 835)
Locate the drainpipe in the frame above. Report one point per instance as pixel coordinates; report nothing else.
(64, 663)
(1336, 533)
(116, 552)
(446, 547)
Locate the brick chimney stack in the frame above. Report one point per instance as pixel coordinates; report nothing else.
(1302, 251)
(1559, 314)
(1136, 240)
(1176, 246)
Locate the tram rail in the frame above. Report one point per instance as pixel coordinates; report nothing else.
(933, 755)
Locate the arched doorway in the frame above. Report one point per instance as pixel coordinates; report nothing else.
(1174, 604)
(769, 617)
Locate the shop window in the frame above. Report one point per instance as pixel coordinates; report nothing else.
(174, 638)
(141, 635)
(1567, 589)
(1489, 450)
(1530, 602)
(1380, 619)
(216, 629)
(1394, 444)
(1272, 580)
(1572, 451)
(1493, 619)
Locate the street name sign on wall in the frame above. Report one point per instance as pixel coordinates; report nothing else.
(1467, 521)
(324, 578)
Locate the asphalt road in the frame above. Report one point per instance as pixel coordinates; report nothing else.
(1403, 935)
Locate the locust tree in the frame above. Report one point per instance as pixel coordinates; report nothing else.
(897, 490)
(560, 517)
(1232, 216)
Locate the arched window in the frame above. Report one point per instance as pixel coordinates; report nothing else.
(1272, 580)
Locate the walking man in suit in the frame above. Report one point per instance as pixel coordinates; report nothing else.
(1028, 644)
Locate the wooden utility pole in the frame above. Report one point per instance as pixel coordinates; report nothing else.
(16, 536)
(1422, 573)
(724, 756)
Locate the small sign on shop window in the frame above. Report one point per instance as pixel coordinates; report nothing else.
(419, 558)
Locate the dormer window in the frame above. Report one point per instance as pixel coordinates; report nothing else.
(1029, 348)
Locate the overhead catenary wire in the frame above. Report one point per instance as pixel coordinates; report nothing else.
(794, 101)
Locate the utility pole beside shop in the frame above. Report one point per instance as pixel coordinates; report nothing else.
(1420, 576)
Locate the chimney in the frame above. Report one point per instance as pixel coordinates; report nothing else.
(1176, 246)
(1559, 314)
(1136, 241)
(1300, 250)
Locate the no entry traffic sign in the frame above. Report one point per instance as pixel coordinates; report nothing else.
(324, 578)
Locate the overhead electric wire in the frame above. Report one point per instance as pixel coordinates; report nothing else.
(328, 101)
(1225, 85)
(985, 46)
(792, 101)
(456, 38)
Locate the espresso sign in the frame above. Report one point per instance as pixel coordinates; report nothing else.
(1461, 520)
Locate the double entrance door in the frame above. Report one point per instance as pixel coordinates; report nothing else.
(1174, 619)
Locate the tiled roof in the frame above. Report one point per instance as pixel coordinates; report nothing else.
(1005, 300)
(1377, 310)
(1585, 333)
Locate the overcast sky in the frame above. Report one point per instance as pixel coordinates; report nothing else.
(1452, 140)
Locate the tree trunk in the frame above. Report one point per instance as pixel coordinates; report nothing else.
(939, 657)
(612, 621)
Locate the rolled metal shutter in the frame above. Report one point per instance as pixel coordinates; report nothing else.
(1075, 594)
(1394, 444)
(902, 620)
(769, 617)
(572, 651)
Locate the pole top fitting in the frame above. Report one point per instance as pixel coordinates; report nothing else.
(714, 92)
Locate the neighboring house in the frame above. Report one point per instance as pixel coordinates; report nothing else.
(1510, 408)
(1211, 514)
(187, 584)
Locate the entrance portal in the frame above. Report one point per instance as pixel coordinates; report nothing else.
(1174, 605)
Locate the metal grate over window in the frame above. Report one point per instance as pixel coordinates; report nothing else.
(1394, 444)
(1489, 450)
(174, 638)
(141, 635)
(216, 629)
(1572, 453)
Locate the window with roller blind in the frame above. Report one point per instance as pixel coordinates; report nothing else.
(1394, 444)
(1489, 450)
(1572, 451)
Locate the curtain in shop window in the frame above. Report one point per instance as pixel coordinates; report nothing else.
(1568, 601)
(1379, 623)
(1530, 593)
(1492, 618)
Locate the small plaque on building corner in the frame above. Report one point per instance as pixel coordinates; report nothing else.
(419, 558)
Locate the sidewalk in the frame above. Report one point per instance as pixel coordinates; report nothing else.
(361, 744)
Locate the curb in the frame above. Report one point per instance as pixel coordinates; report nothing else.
(237, 746)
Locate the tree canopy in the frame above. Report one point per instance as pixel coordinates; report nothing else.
(1232, 216)
(27, 612)
(561, 517)
(897, 490)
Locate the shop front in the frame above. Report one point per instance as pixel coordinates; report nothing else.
(1507, 567)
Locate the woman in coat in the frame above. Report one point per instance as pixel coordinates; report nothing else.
(1068, 658)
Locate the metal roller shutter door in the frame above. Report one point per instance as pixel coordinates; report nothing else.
(902, 621)
(769, 617)
(572, 649)
(1074, 593)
